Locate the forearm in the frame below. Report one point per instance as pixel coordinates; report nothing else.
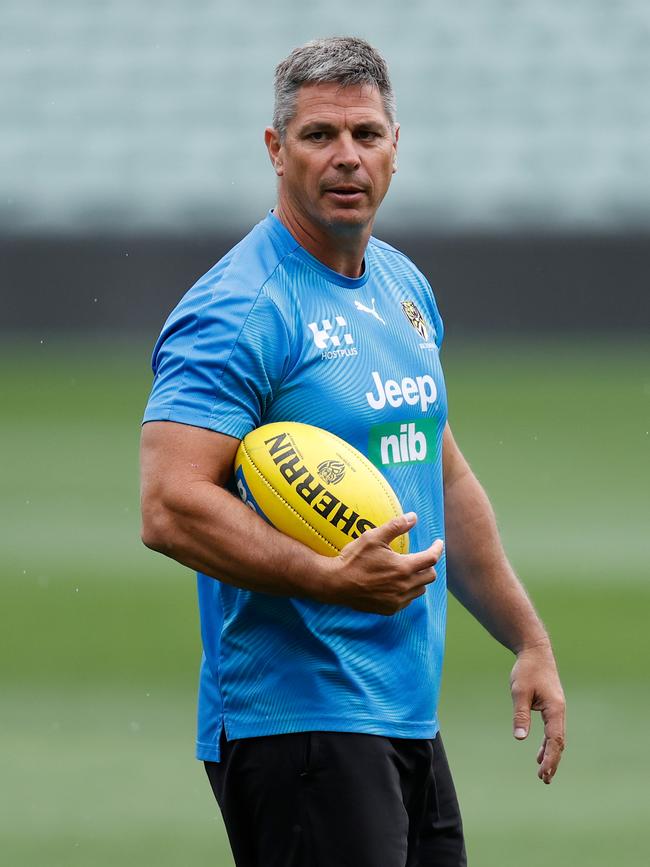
(213, 532)
(481, 577)
(479, 574)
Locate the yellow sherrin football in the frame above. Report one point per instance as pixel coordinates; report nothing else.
(312, 485)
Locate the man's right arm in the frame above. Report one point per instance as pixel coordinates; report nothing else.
(188, 514)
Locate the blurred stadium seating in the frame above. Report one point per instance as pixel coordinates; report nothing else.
(147, 117)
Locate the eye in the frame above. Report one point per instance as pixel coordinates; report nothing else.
(317, 136)
(367, 135)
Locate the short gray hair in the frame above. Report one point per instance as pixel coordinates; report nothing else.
(347, 60)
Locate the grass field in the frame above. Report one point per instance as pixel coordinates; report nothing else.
(99, 637)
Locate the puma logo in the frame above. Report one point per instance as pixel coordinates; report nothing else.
(370, 310)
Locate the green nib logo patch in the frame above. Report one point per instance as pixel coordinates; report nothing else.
(402, 443)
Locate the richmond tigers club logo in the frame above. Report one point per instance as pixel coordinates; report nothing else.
(416, 319)
(331, 472)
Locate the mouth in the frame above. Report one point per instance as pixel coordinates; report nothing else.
(344, 189)
(346, 193)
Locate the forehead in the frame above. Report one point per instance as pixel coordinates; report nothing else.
(330, 101)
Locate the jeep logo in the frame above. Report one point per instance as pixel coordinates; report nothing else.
(420, 390)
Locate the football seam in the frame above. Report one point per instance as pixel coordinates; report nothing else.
(286, 502)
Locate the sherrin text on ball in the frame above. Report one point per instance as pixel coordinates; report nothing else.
(313, 486)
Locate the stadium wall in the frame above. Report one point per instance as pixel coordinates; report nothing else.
(505, 283)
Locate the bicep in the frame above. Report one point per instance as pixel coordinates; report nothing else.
(174, 456)
(454, 465)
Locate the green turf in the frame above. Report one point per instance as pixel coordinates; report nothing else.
(99, 638)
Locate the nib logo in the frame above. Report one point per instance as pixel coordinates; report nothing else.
(403, 443)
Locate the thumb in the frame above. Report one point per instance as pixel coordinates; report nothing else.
(521, 720)
(396, 527)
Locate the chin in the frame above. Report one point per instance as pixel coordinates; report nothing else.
(343, 220)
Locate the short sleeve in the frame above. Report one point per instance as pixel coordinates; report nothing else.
(218, 361)
(438, 324)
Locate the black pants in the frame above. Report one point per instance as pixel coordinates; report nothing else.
(330, 799)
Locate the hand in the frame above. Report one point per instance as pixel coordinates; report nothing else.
(535, 684)
(369, 576)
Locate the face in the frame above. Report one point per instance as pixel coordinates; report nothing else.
(337, 158)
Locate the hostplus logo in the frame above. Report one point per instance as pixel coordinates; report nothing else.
(334, 341)
(402, 443)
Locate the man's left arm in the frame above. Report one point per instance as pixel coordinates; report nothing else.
(481, 578)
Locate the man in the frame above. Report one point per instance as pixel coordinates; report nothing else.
(320, 676)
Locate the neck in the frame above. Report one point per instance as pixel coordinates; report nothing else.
(342, 251)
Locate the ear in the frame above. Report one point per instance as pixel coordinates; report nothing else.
(395, 141)
(275, 149)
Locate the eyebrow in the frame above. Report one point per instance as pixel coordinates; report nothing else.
(326, 126)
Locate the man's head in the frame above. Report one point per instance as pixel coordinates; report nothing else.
(334, 139)
(344, 60)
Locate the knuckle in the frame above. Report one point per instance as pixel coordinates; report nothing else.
(402, 568)
(388, 607)
(394, 525)
(369, 537)
(404, 600)
(427, 576)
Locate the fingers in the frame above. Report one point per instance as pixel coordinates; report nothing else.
(397, 527)
(426, 559)
(521, 714)
(550, 752)
(394, 528)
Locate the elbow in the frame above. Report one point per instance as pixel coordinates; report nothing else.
(157, 530)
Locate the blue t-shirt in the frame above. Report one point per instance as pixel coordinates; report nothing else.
(272, 334)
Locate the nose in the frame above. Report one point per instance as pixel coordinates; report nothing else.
(347, 154)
